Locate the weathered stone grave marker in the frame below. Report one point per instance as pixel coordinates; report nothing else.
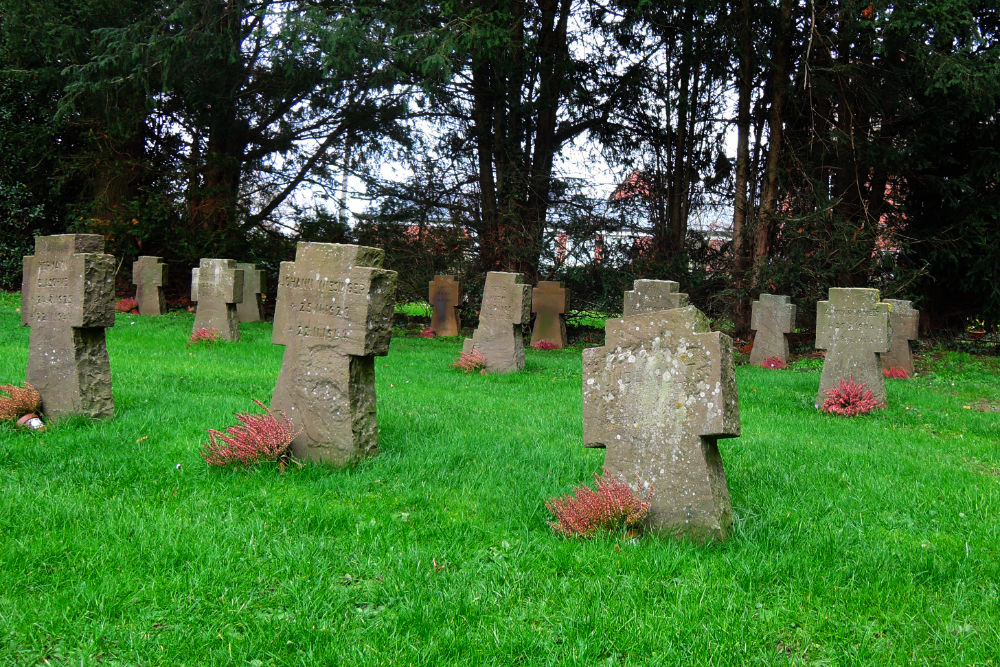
(250, 308)
(658, 396)
(149, 275)
(71, 302)
(903, 322)
(444, 293)
(647, 296)
(853, 327)
(333, 314)
(217, 286)
(772, 317)
(506, 305)
(549, 302)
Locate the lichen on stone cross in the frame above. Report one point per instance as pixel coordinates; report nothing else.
(647, 296)
(772, 317)
(249, 309)
(903, 324)
(333, 314)
(852, 325)
(217, 286)
(149, 275)
(71, 303)
(444, 294)
(658, 395)
(549, 302)
(506, 306)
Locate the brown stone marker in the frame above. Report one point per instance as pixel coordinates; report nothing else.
(647, 296)
(903, 321)
(772, 318)
(550, 301)
(249, 309)
(658, 396)
(149, 275)
(853, 327)
(506, 305)
(72, 301)
(444, 293)
(333, 314)
(217, 286)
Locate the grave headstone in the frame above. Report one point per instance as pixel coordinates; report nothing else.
(71, 302)
(506, 306)
(444, 293)
(772, 317)
(853, 327)
(657, 397)
(149, 275)
(333, 314)
(903, 322)
(549, 302)
(250, 308)
(217, 286)
(647, 296)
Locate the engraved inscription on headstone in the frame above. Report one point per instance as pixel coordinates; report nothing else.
(903, 322)
(72, 301)
(658, 396)
(149, 275)
(217, 286)
(250, 308)
(444, 293)
(772, 318)
(333, 314)
(549, 302)
(853, 327)
(647, 296)
(506, 306)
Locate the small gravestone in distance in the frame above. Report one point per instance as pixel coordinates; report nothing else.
(657, 397)
(250, 308)
(149, 275)
(549, 302)
(853, 327)
(443, 293)
(71, 302)
(903, 321)
(647, 296)
(772, 318)
(506, 306)
(333, 314)
(217, 286)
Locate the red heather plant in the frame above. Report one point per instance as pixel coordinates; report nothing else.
(204, 335)
(612, 506)
(17, 401)
(896, 373)
(774, 363)
(127, 305)
(850, 399)
(471, 362)
(257, 439)
(544, 345)
(427, 332)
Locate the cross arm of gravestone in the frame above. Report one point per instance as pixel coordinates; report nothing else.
(93, 297)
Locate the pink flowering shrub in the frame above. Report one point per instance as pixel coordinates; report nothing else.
(127, 305)
(896, 373)
(17, 401)
(849, 399)
(545, 345)
(612, 506)
(471, 362)
(427, 332)
(257, 439)
(204, 335)
(774, 363)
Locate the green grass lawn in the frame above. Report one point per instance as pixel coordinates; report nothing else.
(867, 540)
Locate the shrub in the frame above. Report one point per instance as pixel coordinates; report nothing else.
(18, 401)
(471, 362)
(257, 439)
(612, 506)
(896, 373)
(774, 363)
(204, 335)
(544, 345)
(427, 332)
(849, 399)
(127, 305)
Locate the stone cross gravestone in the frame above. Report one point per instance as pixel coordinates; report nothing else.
(444, 293)
(903, 322)
(658, 396)
(549, 302)
(772, 318)
(250, 308)
(648, 296)
(333, 314)
(149, 275)
(853, 327)
(217, 286)
(506, 306)
(71, 302)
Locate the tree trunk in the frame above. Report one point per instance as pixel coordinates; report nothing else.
(741, 318)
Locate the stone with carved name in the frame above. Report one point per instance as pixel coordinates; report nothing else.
(549, 302)
(149, 275)
(647, 296)
(251, 306)
(444, 293)
(506, 306)
(852, 325)
(772, 318)
(903, 322)
(217, 286)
